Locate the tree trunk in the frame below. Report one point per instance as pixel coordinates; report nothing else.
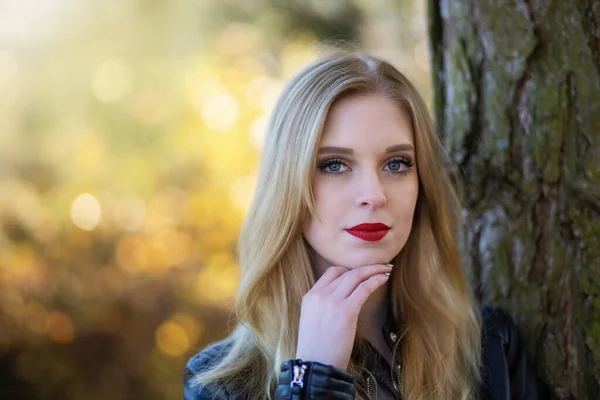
(517, 101)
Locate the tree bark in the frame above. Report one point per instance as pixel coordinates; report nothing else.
(517, 102)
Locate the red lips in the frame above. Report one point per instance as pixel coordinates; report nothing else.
(369, 232)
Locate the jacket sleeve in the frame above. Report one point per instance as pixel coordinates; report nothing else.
(319, 381)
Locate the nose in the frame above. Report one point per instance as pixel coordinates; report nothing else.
(372, 193)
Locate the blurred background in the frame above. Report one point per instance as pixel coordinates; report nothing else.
(130, 135)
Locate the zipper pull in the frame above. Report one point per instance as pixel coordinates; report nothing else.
(298, 375)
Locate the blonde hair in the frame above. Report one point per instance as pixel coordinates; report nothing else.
(430, 295)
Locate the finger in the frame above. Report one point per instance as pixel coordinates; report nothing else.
(366, 288)
(331, 274)
(349, 281)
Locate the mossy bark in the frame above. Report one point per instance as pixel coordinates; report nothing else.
(517, 101)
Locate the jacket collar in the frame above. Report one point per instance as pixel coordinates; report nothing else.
(391, 330)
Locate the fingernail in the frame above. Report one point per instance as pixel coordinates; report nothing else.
(390, 265)
(387, 273)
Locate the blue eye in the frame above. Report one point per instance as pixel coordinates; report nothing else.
(332, 167)
(400, 165)
(396, 165)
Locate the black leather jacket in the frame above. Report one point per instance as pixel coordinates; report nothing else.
(506, 372)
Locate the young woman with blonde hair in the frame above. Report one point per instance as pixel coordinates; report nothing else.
(352, 285)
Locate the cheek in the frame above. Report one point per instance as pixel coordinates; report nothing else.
(405, 197)
(317, 232)
(411, 198)
(329, 212)
(329, 199)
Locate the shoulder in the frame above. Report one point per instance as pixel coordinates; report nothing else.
(505, 358)
(497, 322)
(500, 334)
(500, 328)
(209, 356)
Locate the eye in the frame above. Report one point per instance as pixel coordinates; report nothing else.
(396, 165)
(333, 166)
(400, 165)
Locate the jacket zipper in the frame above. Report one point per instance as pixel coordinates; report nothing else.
(298, 380)
(397, 386)
(399, 379)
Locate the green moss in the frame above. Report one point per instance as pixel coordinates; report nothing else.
(587, 285)
(458, 92)
(552, 357)
(593, 341)
(508, 31)
(508, 40)
(571, 99)
(591, 164)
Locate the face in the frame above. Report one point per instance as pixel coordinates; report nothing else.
(365, 174)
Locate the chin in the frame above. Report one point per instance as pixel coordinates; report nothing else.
(362, 258)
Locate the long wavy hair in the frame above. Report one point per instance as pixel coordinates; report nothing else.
(431, 299)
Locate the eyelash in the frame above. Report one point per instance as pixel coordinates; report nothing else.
(403, 160)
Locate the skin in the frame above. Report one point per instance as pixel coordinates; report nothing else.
(370, 185)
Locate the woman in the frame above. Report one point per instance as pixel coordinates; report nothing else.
(352, 286)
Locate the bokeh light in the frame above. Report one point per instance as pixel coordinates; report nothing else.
(60, 327)
(111, 81)
(242, 192)
(172, 338)
(218, 108)
(86, 212)
(130, 213)
(217, 281)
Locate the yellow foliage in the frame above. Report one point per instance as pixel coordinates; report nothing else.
(217, 281)
(172, 339)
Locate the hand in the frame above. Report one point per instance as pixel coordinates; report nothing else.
(329, 314)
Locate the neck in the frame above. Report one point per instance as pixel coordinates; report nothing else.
(373, 315)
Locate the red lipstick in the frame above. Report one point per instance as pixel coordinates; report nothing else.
(369, 232)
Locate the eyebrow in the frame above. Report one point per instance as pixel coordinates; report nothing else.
(345, 150)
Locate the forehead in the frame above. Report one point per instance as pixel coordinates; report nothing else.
(367, 119)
